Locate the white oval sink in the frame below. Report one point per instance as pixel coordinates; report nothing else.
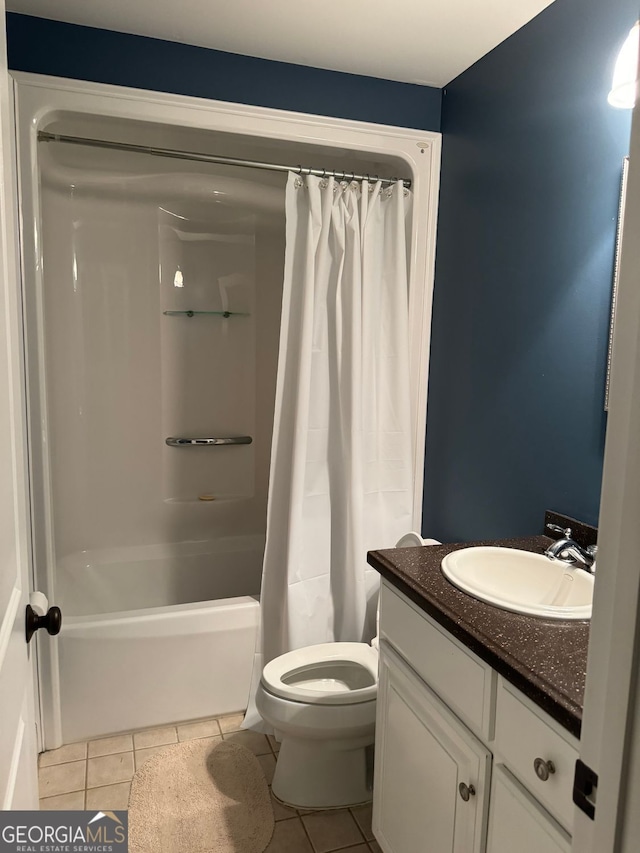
(521, 581)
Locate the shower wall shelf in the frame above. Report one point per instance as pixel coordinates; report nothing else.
(209, 313)
(208, 442)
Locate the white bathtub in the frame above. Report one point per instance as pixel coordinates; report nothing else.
(157, 635)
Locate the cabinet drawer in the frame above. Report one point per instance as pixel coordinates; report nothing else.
(464, 682)
(524, 733)
(516, 821)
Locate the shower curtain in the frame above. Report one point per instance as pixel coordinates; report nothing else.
(341, 479)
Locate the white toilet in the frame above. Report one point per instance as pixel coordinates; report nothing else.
(321, 702)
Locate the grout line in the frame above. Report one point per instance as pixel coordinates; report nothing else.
(60, 763)
(109, 785)
(360, 830)
(109, 754)
(308, 837)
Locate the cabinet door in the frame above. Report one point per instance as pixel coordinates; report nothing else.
(518, 822)
(423, 755)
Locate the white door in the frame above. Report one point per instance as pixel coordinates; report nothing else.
(18, 743)
(610, 741)
(431, 773)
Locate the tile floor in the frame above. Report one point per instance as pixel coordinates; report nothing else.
(98, 774)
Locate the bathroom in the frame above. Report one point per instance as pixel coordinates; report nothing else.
(527, 211)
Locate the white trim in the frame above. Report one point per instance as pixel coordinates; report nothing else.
(15, 766)
(9, 621)
(41, 100)
(217, 113)
(420, 312)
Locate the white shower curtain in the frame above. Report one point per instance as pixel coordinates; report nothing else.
(341, 479)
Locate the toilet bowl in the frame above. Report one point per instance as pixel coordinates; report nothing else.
(321, 702)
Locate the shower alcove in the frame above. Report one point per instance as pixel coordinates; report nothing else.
(152, 290)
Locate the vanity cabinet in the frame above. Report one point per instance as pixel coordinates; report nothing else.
(464, 762)
(432, 774)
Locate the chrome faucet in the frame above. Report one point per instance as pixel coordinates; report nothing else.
(568, 550)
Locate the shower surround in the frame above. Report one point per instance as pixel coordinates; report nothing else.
(152, 300)
(161, 301)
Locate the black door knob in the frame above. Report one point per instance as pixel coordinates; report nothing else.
(51, 622)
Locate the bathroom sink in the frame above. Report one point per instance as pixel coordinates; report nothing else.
(521, 581)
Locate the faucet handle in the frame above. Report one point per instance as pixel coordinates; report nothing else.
(592, 550)
(566, 531)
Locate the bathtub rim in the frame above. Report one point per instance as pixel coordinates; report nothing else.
(155, 614)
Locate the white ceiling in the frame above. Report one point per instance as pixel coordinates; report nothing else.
(415, 41)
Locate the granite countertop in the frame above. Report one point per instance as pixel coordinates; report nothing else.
(544, 658)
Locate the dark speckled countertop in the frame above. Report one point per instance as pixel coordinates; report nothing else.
(544, 658)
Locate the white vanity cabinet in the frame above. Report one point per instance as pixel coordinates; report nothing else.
(432, 774)
(464, 762)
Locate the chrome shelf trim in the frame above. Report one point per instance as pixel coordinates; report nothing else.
(208, 442)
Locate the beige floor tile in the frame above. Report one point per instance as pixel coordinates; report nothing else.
(332, 830)
(203, 728)
(64, 802)
(109, 769)
(155, 737)
(289, 837)
(363, 816)
(375, 847)
(257, 743)
(280, 811)
(109, 797)
(141, 755)
(359, 848)
(110, 745)
(273, 743)
(268, 764)
(230, 723)
(62, 778)
(67, 753)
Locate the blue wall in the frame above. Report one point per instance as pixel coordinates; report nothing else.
(530, 178)
(528, 203)
(84, 53)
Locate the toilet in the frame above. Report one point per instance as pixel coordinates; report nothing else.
(321, 702)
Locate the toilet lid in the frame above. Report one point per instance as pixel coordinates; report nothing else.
(410, 540)
(325, 674)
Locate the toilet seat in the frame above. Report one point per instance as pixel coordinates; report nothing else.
(324, 674)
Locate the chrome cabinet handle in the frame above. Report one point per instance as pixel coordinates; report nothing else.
(208, 442)
(543, 769)
(466, 791)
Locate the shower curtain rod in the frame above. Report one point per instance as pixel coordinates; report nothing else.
(44, 136)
